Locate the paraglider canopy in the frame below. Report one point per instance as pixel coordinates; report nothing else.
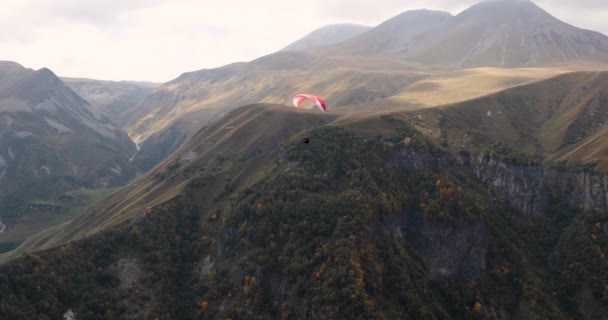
(318, 101)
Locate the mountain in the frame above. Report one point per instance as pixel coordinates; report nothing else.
(379, 63)
(395, 35)
(50, 143)
(370, 220)
(416, 199)
(326, 36)
(496, 33)
(505, 33)
(113, 99)
(177, 109)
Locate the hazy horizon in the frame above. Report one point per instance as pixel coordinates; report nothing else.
(157, 40)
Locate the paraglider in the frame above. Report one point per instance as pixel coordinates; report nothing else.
(318, 101)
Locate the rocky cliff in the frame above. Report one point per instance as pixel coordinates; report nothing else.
(522, 186)
(585, 189)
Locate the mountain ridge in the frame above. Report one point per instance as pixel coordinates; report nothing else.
(326, 36)
(51, 143)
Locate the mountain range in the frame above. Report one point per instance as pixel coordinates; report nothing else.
(458, 173)
(497, 33)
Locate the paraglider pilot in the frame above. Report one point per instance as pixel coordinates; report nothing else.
(319, 102)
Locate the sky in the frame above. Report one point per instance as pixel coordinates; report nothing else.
(157, 40)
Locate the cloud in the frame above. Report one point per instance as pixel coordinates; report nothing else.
(156, 40)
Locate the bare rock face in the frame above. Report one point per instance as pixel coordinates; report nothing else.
(409, 158)
(581, 189)
(521, 186)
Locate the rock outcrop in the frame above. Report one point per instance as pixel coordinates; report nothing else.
(522, 186)
(585, 189)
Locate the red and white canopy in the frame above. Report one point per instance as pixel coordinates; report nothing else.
(319, 102)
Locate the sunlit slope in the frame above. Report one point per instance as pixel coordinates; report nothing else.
(236, 147)
(456, 86)
(561, 118)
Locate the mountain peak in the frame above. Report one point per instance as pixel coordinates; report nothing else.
(506, 10)
(415, 16)
(422, 12)
(47, 76)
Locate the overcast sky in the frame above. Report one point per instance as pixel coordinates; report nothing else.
(156, 40)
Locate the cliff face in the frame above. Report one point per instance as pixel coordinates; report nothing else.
(580, 189)
(409, 158)
(520, 186)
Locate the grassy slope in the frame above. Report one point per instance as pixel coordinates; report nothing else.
(456, 86)
(560, 118)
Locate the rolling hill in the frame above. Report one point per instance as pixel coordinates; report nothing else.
(50, 143)
(113, 99)
(326, 36)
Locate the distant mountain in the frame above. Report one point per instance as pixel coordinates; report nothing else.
(326, 36)
(495, 33)
(395, 35)
(50, 142)
(506, 33)
(111, 98)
